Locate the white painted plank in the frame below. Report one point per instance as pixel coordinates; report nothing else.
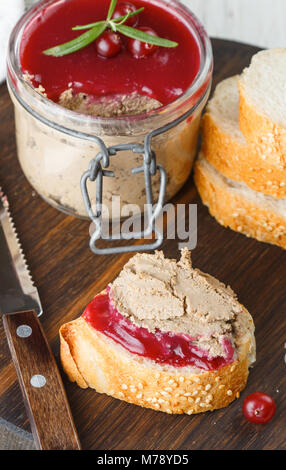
(257, 22)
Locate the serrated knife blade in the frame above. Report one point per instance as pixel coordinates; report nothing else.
(17, 290)
(39, 378)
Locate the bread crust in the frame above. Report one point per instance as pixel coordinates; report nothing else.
(232, 209)
(269, 138)
(91, 359)
(241, 162)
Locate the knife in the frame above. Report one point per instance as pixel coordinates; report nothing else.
(40, 381)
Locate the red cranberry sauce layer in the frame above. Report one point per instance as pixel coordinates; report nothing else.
(162, 347)
(164, 75)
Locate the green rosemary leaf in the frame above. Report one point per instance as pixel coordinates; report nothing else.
(115, 20)
(86, 26)
(111, 9)
(79, 42)
(144, 37)
(97, 28)
(133, 13)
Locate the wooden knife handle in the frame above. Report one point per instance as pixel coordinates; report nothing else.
(42, 388)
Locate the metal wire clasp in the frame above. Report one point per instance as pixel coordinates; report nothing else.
(98, 170)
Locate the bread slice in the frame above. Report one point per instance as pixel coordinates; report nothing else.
(263, 102)
(225, 147)
(236, 206)
(93, 359)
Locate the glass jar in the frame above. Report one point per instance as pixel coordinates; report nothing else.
(55, 145)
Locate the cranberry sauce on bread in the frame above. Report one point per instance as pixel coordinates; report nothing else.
(162, 322)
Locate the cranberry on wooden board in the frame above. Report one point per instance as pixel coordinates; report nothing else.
(108, 44)
(122, 9)
(259, 408)
(141, 49)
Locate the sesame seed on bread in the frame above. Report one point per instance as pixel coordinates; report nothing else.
(92, 359)
(237, 206)
(225, 147)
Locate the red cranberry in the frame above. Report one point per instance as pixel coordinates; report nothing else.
(140, 49)
(108, 44)
(259, 408)
(122, 9)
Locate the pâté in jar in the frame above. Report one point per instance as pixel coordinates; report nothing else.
(111, 86)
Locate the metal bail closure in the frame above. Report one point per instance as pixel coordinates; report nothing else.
(98, 170)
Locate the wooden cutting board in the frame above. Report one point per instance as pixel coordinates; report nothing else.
(68, 275)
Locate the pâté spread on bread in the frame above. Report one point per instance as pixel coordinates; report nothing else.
(163, 335)
(77, 65)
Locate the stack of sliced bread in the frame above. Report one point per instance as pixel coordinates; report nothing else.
(241, 170)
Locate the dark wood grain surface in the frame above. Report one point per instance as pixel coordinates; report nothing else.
(68, 275)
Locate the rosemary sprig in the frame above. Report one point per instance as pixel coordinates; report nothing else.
(111, 9)
(97, 28)
(114, 20)
(78, 43)
(144, 37)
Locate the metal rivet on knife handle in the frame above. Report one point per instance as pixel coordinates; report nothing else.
(38, 381)
(43, 393)
(24, 331)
